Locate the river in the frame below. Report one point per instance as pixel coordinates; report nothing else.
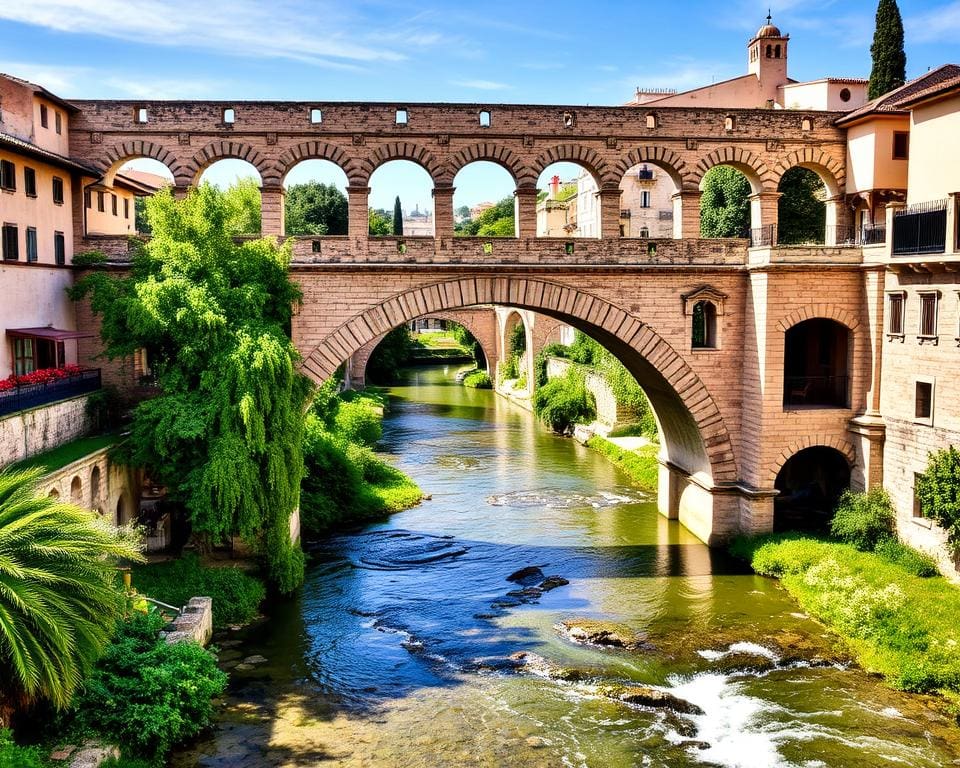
(397, 651)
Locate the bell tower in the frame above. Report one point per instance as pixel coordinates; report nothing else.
(767, 58)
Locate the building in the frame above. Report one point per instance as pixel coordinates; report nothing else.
(111, 210)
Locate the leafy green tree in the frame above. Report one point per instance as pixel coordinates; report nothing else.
(225, 433)
(140, 216)
(59, 593)
(242, 205)
(390, 354)
(463, 212)
(725, 204)
(397, 217)
(496, 221)
(563, 402)
(889, 69)
(938, 491)
(380, 223)
(802, 212)
(315, 209)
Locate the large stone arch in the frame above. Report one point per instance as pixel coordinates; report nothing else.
(116, 156)
(828, 168)
(760, 177)
(321, 150)
(810, 441)
(401, 150)
(695, 438)
(493, 153)
(663, 158)
(815, 311)
(581, 155)
(234, 150)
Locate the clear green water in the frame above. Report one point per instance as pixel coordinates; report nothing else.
(393, 656)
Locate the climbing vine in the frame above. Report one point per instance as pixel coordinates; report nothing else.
(225, 432)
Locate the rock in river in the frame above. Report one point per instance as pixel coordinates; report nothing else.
(527, 577)
(603, 633)
(644, 696)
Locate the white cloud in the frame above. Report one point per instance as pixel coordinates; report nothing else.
(482, 85)
(934, 26)
(56, 79)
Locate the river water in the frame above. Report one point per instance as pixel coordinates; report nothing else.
(397, 651)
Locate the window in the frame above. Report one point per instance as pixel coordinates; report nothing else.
(316, 116)
(806, 124)
(58, 122)
(11, 242)
(928, 315)
(113, 204)
(776, 52)
(569, 119)
(229, 115)
(923, 404)
(895, 305)
(844, 95)
(43, 115)
(126, 207)
(140, 114)
(100, 201)
(644, 232)
(59, 248)
(901, 145)
(704, 332)
(644, 199)
(651, 120)
(484, 118)
(58, 190)
(729, 123)
(29, 182)
(8, 176)
(401, 117)
(23, 357)
(769, 51)
(31, 244)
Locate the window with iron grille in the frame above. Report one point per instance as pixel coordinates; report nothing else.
(895, 306)
(928, 315)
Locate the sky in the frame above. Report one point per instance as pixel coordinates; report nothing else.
(533, 52)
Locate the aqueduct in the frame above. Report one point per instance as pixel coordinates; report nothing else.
(730, 414)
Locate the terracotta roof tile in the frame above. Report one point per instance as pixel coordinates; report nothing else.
(895, 101)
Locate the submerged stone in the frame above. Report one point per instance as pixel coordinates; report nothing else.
(552, 582)
(643, 696)
(527, 577)
(603, 633)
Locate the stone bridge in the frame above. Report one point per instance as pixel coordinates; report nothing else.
(704, 325)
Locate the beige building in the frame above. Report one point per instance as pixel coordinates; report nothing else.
(113, 210)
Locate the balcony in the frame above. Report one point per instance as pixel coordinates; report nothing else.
(23, 395)
(920, 229)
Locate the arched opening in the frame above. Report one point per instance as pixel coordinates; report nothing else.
(123, 514)
(95, 486)
(76, 491)
(725, 203)
(647, 202)
(239, 182)
(54, 493)
(704, 330)
(809, 485)
(484, 204)
(801, 210)
(116, 203)
(568, 202)
(815, 365)
(401, 200)
(315, 199)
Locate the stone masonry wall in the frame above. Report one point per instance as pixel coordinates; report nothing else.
(27, 433)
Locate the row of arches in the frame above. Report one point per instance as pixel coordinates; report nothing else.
(92, 491)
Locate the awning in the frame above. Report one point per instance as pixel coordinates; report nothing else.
(54, 334)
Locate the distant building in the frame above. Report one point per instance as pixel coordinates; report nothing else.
(418, 223)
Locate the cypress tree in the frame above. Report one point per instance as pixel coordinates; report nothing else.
(397, 217)
(889, 61)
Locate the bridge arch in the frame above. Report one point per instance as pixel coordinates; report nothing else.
(828, 168)
(321, 150)
(234, 150)
(584, 156)
(661, 157)
(696, 439)
(751, 166)
(117, 156)
(401, 150)
(492, 153)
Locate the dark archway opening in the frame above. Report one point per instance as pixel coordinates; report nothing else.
(815, 373)
(809, 485)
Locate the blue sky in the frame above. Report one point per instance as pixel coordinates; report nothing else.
(562, 52)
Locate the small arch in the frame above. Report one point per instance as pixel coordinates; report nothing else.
(575, 153)
(123, 511)
(95, 485)
(647, 201)
(801, 210)
(407, 185)
(652, 120)
(568, 202)
(54, 493)
(703, 334)
(118, 156)
(315, 199)
(229, 173)
(76, 491)
(828, 168)
(234, 150)
(816, 365)
(828, 311)
(661, 157)
(484, 202)
(320, 150)
(729, 122)
(809, 484)
(744, 161)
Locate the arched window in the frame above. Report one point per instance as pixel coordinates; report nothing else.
(776, 52)
(769, 51)
(644, 232)
(76, 491)
(729, 123)
(704, 331)
(54, 493)
(95, 486)
(651, 120)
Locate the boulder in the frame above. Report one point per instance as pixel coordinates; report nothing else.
(644, 696)
(606, 634)
(526, 577)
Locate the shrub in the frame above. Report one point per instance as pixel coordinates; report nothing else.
(478, 380)
(938, 490)
(517, 343)
(641, 465)
(863, 519)
(148, 695)
(560, 403)
(332, 483)
(236, 594)
(357, 422)
(509, 369)
(13, 756)
(912, 561)
(521, 382)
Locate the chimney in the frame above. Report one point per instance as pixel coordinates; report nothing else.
(554, 187)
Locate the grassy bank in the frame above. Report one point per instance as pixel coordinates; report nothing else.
(640, 465)
(67, 453)
(897, 624)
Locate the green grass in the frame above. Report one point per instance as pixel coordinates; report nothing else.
(394, 490)
(67, 453)
(376, 397)
(478, 380)
(895, 623)
(640, 465)
(436, 340)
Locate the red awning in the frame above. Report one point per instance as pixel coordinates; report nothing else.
(54, 334)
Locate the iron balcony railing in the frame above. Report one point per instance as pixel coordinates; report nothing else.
(32, 395)
(816, 391)
(873, 234)
(920, 228)
(837, 235)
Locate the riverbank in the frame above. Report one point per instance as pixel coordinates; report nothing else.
(894, 623)
(639, 462)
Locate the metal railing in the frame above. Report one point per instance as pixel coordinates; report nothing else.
(763, 237)
(816, 391)
(873, 234)
(920, 228)
(32, 395)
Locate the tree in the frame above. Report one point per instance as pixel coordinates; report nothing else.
(379, 223)
(315, 209)
(889, 69)
(938, 491)
(397, 217)
(801, 211)
(496, 221)
(725, 204)
(390, 354)
(59, 595)
(242, 202)
(463, 212)
(225, 433)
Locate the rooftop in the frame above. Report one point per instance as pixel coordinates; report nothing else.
(896, 101)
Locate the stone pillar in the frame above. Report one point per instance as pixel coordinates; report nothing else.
(839, 221)
(764, 213)
(609, 212)
(526, 211)
(180, 191)
(686, 214)
(271, 211)
(358, 214)
(668, 491)
(891, 211)
(443, 211)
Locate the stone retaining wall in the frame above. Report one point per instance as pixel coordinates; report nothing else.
(27, 433)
